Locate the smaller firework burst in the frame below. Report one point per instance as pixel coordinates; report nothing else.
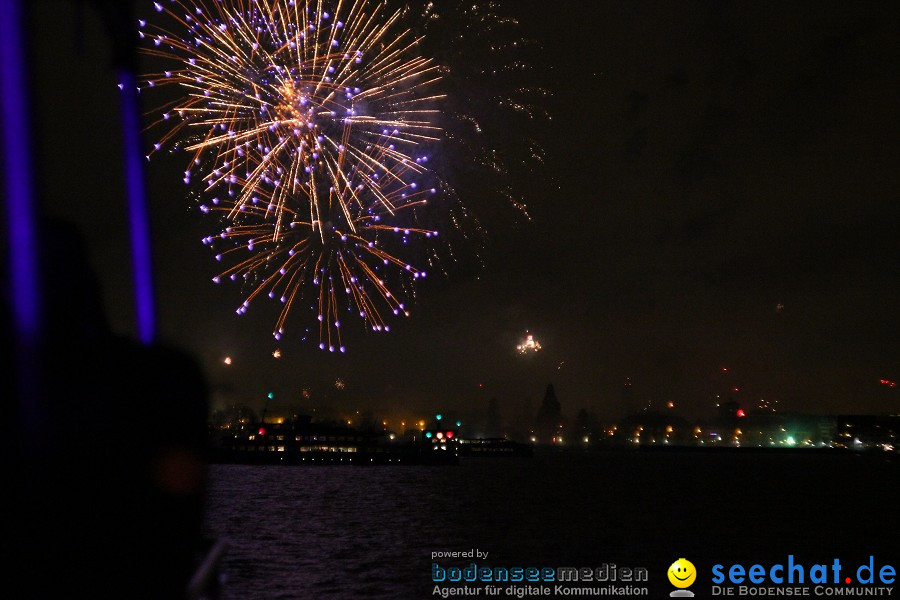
(529, 344)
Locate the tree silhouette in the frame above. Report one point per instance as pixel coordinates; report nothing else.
(549, 418)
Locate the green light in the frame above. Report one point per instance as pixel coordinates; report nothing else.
(791, 441)
(439, 416)
(459, 423)
(428, 435)
(271, 395)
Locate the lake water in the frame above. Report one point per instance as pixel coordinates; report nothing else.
(369, 532)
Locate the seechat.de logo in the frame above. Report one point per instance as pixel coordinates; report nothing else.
(682, 574)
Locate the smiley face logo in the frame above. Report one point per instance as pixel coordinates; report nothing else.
(682, 573)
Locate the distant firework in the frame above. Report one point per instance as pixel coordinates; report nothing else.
(493, 116)
(529, 344)
(765, 405)
(339, 384)
(310, 127)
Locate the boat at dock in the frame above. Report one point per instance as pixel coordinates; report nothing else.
(302, 442)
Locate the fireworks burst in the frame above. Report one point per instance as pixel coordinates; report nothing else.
(310, 127)
(493, 116)
(529, 344)
(309, 130)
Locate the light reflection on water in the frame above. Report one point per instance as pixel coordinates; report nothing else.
(368, 532)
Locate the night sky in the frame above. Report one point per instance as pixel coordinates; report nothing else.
(721, 190)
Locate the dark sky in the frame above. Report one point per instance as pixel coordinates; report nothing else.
(708, 162)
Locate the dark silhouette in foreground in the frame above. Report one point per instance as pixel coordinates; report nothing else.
(110, 494)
